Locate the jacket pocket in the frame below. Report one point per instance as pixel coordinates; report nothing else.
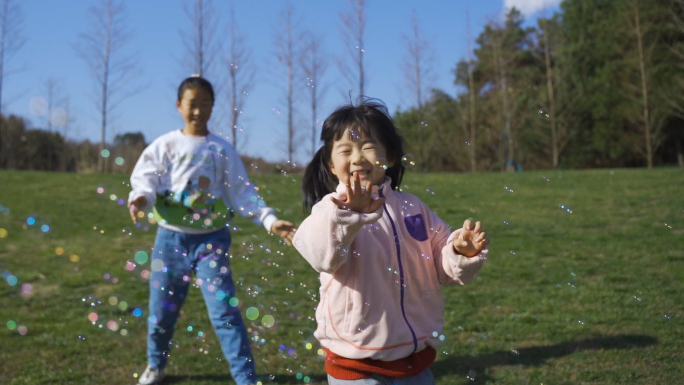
(415, 225)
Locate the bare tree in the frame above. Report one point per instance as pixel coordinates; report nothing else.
(418, 71)
(676, 98)
(472, 97)
(201, 43)
(286, 40)
(560, 96)
(555, 151)
(418, 59)
(11, 40)
(314, 65)
(653, 114)
(103, 49)
(51, 87)
(54, 98)
(241, 74)
(501, 64)
(353, 34)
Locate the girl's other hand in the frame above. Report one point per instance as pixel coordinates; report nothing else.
(357, 199)
(134, 207)
(471, 240)
(284, 230)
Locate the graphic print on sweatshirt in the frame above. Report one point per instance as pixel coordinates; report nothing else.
(195, 205)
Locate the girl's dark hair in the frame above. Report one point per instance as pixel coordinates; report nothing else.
(371, 118)
(196, 82)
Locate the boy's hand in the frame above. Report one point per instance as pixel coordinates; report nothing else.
(358, 200)
(134, 207)
(284, 230)
(471, 240)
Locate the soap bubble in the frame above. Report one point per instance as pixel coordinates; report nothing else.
(408, 161)
(342, 250)
(381, 164)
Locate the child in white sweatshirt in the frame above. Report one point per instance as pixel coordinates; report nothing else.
(194, 181)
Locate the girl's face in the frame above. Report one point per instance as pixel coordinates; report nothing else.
(354, 153)
(195, 107)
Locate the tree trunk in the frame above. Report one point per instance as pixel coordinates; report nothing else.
(555, 153)
(644, 89)
(507, 114)
(471, 96)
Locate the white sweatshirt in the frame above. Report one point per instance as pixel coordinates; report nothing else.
(195, 183)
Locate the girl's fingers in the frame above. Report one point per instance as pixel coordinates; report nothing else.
(357, 184)
(467, 224)
(339, 203)
(478, 227)
(347, 183)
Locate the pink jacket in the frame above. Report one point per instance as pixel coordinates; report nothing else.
(380, 275)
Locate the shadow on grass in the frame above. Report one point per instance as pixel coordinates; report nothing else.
(227, 379)
(474, 366)
(471, 366)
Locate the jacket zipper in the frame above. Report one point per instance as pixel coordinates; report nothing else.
(401, 274)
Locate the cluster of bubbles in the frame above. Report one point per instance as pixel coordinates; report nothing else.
(119, 161)
(32, 221)
(39, 106)
(106, 318)
(570, 283)
(565, 208)
(12, 325)
(120, 201)
(10, 278)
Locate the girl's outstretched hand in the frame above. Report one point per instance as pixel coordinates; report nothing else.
(471, 240)
(359, 200)
(284, 229)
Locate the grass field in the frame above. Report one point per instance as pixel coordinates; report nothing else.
(584, 285)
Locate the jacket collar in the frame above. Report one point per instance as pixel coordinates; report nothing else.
(385, 187)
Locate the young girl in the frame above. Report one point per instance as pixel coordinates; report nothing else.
(381, 254)
(194, 181)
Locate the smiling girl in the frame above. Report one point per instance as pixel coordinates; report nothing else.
(381, 254)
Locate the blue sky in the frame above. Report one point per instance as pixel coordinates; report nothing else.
(51, 29)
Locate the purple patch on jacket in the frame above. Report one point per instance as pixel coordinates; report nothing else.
(416, 227)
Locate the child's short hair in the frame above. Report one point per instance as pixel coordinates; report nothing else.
(372, 118)
(196, 82)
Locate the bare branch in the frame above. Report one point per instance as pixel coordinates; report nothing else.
(103, 48)
(201, 43)
(241, 73)
(314, 66)
(353, 34)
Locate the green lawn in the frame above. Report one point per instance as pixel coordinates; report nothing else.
(584, 285)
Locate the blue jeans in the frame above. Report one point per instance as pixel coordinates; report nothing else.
(174, 258)
(423, 378)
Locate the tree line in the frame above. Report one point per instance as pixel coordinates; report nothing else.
(598, 84)
(44, 150)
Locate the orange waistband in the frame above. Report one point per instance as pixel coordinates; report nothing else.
(349, 369)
